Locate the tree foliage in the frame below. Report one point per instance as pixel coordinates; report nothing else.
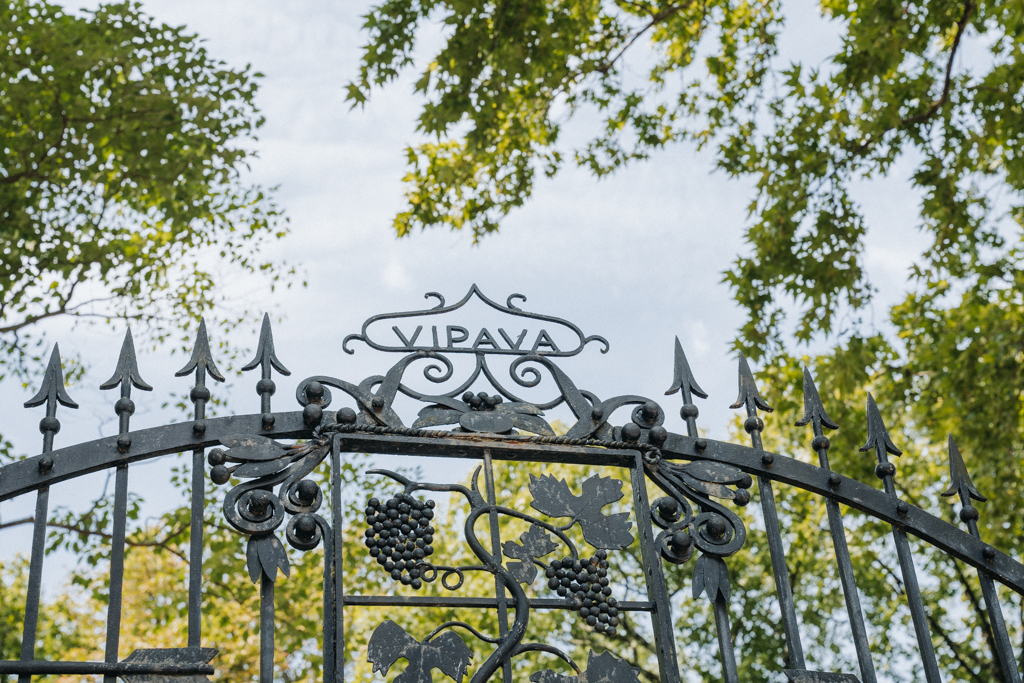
(123, 145)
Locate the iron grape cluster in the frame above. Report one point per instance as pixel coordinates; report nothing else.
(585, 583)
(399, 536)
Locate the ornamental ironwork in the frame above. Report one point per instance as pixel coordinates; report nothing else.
(266, 461)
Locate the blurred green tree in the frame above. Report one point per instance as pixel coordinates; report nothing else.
(123, 147)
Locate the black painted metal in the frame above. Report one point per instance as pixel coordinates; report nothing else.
(750, 398)
(879, 441)
(201, 363)
(126, 375)
(701, 480)
(815, 415)
(960, 484)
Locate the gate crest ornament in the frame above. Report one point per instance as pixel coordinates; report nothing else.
(702, 482)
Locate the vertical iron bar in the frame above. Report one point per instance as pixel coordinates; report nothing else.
(1004, 649)
(924, 638)
(725, 648)
(779, 570)
(195, 554)
(880, 442)
(126, 375)
(961, 484)
(838, 532)
(338, 565)
(853, 608)
(202, 363)
(499, 583)
(752, 400)
(266, 629)
(116, 568)
(51, 393)
(778, 557)
(35, 576)
(664, 635)
(329, 606)
(685, 383)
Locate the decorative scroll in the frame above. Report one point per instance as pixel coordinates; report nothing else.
(399, 534)
(420, 335)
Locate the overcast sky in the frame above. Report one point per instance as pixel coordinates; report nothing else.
(637, 257)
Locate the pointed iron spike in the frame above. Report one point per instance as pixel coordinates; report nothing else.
(748, 389)
(878, 435)
(813, 407)
(201, 354)
(265, 354)
(683, 378)
(52, 389)
(959, 479)
(127, 367)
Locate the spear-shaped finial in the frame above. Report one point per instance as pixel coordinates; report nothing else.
(266, 358)
(815, 415)
(683, 378)
(126, 375)
(749, 395)
(127, 372)
(202, 362)
(878, 435)
(684, 382)
(51, 393)
(814, 411)
(202, 359)
(960, 483)
(959, 479)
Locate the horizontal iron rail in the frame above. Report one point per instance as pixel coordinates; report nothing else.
(473, 446)
(93, 456)
(43, 668)
(25, 476)
(479, 603)
(858, 495)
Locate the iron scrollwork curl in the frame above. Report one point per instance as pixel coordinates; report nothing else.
(253, 508)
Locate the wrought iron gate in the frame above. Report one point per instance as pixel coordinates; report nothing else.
(700, 479)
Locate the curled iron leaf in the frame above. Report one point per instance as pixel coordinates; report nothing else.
(265, 554)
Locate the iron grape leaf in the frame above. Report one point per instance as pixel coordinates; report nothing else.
(521, 407)
(252, 448)
(712, 575)
(714, 490)
(601, 668)
(432, 416)
(532, 423)
(447, 652)
(264, 555)
(717, 472)
(252, 470)
(553, 498)
(535, 543)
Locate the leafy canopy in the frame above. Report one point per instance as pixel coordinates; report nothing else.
(511, 73)
(122, 148)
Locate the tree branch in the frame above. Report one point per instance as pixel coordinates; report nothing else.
(937, 104)
(655, 20)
